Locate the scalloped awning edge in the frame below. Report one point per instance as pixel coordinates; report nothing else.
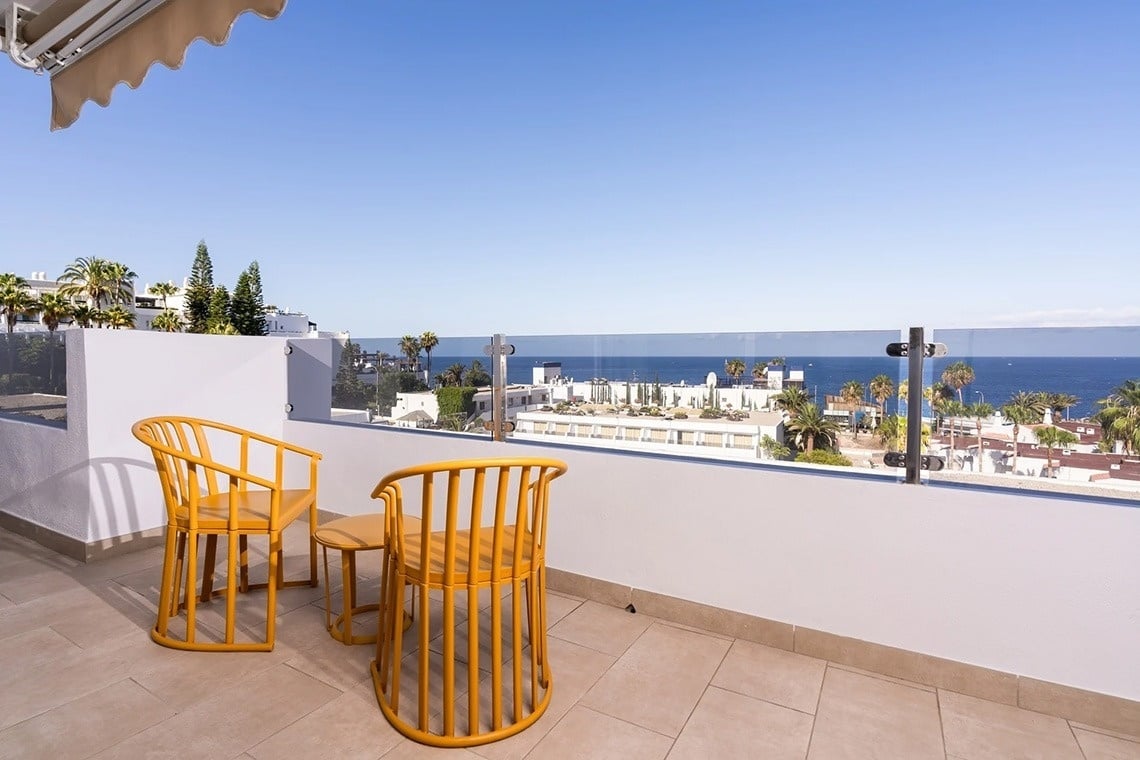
(162, 36)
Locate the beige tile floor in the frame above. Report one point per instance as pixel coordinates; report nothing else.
(79, 677)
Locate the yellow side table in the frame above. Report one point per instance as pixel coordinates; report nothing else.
(350, 535)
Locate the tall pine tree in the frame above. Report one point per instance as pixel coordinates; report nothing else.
(247, 308)
(242, 307)
(259, 326)
(218, 317)
(199, 291)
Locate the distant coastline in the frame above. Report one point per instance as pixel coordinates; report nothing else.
(997, 378)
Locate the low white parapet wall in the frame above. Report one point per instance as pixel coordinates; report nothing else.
(1045, 587)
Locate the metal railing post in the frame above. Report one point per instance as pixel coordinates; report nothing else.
(916, 351)
(498, 351)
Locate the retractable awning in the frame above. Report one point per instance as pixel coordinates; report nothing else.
(90, 46)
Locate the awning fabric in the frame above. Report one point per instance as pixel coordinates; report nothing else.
(163, 35)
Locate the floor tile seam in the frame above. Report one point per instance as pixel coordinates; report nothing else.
(174, 713)
(63, 704)
(616, 657)
(941, 723)
(288, 664)
(1112, 734)
(1080, 747)
(763, 699)
(249, 749)
(1014, 707)
(704, 691)
(6, 639)
(632, 723)
(52, 627)
(886, 678)
(530, 752)
(815, 715)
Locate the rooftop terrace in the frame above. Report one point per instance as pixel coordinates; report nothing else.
(79, 677)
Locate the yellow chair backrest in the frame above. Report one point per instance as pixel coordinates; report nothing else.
(477, 496)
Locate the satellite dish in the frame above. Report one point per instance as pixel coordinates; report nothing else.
(710, 381)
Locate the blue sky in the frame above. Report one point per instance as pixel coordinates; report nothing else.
(617, 167)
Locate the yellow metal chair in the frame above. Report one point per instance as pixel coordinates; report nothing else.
(206, 498)
(491, 515)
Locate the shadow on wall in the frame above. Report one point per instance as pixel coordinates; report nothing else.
(112, 507)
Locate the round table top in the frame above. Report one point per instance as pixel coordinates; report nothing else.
(360, 532)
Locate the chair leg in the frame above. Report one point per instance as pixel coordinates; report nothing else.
(208, 566)
(313, 545)
(271, 589)
(396, 638)
(243, 549)
(328, 594)
(176, 597)
(280, 574)
(348, 591)
(167, 591)
(231, 585)
(191, 583)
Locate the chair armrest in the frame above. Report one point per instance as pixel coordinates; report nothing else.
(230, 472)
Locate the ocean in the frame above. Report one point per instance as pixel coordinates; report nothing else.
(996, 378)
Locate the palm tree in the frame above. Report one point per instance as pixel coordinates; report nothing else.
(1059, 403)
(453, 375)
(120, 283)
(53, 308)
(957, 376)
(15, 299)
(892, 433)
(163, 290)
(410, 347)
(882, 388)
(1051, 437)
(734, 368)
(1119, 416)
(810, 425)
(86, 279)
(167, 321)
(950, 409)
(791, 400)
(117, 317)
(759, 370)
(82, 315)
(428, 342)
(1023, 408)
(979, 412)
(98, 281)
(852, 393)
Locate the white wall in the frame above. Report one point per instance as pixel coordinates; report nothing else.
(95, 480)
(1043, 587)
(133, 374)
(44, 476)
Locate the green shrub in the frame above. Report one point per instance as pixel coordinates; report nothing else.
(456, 402)
(710, 413)
(823, 456)
(679, 414)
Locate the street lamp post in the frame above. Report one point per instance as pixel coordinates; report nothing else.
(982, 395)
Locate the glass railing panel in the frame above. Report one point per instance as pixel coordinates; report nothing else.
(1044, 408)
(744, 397)
(33, 376)
(388, 381)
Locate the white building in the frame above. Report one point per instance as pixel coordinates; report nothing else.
(520, 398)
(703, 438)
(279, 323)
